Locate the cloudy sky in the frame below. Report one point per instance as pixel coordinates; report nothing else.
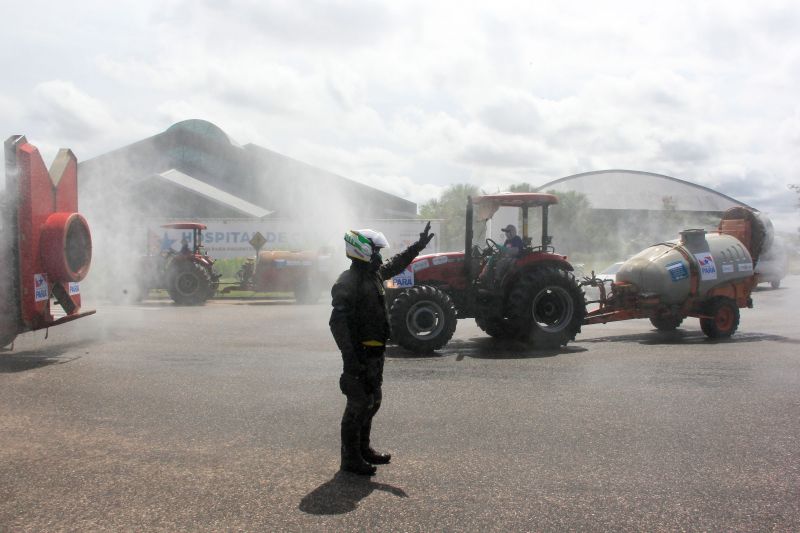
(410, 96)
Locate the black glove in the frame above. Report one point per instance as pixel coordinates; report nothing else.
(352, 364)
(425, 237)
(351, 385)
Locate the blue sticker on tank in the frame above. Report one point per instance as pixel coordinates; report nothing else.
(678, 271)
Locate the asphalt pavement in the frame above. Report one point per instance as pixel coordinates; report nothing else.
(156, 417)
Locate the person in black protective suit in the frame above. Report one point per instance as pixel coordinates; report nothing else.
(360, 325)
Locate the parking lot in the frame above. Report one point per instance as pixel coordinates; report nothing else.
(226, 417)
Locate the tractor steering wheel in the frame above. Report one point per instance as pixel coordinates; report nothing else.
(493, 246)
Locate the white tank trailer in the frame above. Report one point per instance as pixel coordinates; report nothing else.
(708, 275)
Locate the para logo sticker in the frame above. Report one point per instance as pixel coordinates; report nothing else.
(708, 269)
(41, 292)
(74, 288)
(404, 279)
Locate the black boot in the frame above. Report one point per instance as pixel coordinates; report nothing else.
(370, 455)
(352, 461)
(375, 458)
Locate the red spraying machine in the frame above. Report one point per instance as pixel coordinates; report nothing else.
(45, 244)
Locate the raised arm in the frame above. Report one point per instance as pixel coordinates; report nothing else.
(398, 263)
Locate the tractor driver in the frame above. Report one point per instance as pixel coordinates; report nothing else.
(359, 324)
(513, 243)
(511, 249)
(497, 265)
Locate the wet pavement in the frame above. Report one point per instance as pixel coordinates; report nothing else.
(225, 417)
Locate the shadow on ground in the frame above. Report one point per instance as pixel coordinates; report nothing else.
(683, 337)
(484, 348)
(343, 493)
(265, 302)
(21, 361)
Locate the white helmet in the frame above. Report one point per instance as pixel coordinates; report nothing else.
(362, 243)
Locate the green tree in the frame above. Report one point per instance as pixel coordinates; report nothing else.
(576, 227)
(579, 231)
(451, 208)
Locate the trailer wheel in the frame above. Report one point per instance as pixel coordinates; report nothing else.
(547, 307)
(775, 284)
(666, 322)
(423, 319)
(724, 321)
(189, 283)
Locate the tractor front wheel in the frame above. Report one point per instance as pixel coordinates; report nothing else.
(724, 318)
(547, 307)
(189, 284)
(423, 319)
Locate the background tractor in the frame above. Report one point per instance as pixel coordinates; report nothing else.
(533, 296)
(187, 275)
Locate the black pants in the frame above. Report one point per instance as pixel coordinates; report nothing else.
(363, 398)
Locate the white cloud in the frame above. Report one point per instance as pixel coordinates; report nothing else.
(416, 95)
(70, 111)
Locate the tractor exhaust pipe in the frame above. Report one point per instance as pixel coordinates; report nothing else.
(546, 239)
(468, 243)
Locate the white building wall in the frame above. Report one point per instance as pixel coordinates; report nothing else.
(229, 238)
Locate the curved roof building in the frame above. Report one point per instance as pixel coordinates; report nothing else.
(193, 169)
(633, 190)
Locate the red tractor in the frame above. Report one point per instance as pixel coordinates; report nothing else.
(532, 296)
(187, 275)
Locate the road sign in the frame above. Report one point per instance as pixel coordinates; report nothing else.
(257, 241)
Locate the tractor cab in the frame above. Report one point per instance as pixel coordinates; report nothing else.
(195, 247)
(484, 208)
(492, 267)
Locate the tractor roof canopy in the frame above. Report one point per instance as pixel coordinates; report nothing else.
(184, 225)
(489, 204)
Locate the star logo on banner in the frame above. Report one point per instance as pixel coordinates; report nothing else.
(166, 243)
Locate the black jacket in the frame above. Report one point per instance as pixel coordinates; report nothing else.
(359, 306)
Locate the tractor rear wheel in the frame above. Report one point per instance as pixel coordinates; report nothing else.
(423, 319)
(546, 307)
(724, 318)
(189, 283)
(666, 322)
